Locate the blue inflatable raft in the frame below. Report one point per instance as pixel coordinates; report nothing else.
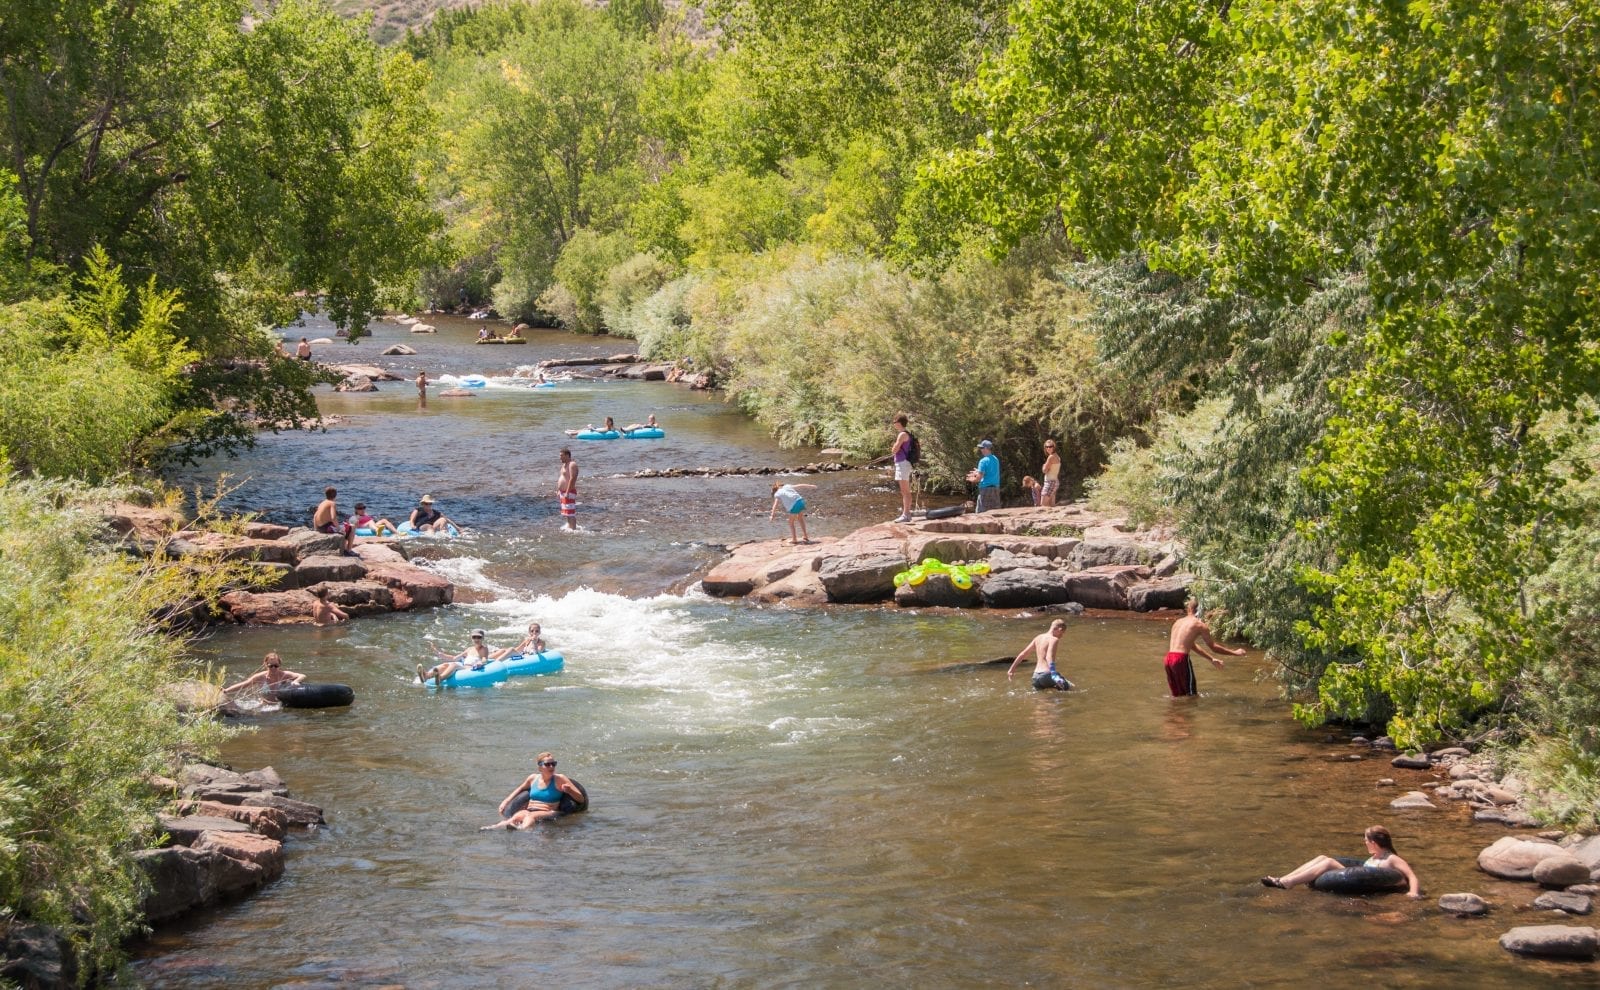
(646, 433)
(406, 529)
(533, 664)
(599, 435)
(472, 381)
(486, 676)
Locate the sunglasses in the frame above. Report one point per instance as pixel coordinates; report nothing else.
(274, 666)
(548, 763)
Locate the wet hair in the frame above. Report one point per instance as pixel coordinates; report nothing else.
(1380, 837)
(1059, 624)
(901, 421)
(566, 451)
(319, 592)
(361, 505)
(271, 657)
(330, 491)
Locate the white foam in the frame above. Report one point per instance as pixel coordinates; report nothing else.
(468, 572)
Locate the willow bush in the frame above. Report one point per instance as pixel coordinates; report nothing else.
(82, 723)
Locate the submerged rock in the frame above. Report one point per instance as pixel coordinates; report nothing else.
(1465, 905)
(1556, 941)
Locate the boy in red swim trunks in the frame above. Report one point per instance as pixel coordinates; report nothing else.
(1187, 635)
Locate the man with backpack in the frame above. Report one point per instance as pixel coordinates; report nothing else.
(906, 453)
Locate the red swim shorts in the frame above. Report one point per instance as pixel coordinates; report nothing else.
(1180, 675)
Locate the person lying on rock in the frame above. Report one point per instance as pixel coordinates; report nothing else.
(473, 657)
(543, 789)
(1380, 854)
(268, 679)
(1043, 646)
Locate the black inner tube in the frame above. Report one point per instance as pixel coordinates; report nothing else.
(315, 696)
(1358, 879)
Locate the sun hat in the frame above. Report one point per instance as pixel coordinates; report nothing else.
(478, 634)
(427, 500)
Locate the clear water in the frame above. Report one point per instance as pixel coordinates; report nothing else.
(779, 798)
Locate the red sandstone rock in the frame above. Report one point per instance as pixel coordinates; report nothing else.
(413, 587)
(272, 608)
(247, 847)
(265, 531)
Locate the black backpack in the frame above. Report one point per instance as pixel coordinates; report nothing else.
(913, 449)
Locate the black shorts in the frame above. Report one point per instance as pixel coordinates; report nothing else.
(1044, 680)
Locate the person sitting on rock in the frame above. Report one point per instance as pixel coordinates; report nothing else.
(474, 657)
(543, 789)
(1380, 854)
(360, 520)
(648, 424)
(426, 519)
(268, 679)
(324, 612)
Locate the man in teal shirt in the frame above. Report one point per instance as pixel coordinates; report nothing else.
(987, 475)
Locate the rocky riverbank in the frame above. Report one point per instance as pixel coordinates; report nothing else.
(223, 839)
(1556, 873)
(1062, 556)
(286, 570)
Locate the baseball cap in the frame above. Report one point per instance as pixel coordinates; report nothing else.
(478, 634)
(985, 445)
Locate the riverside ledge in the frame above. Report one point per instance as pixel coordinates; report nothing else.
(1037, 557)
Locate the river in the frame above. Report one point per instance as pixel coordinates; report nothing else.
(778, 798)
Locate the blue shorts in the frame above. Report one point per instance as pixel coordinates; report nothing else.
(798, 507)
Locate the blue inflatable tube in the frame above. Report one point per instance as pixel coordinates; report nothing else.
(487, 676)
(598, 435)
(545, 385)
(519, 664)
(472, 381)
(646, 433)
(406, 529)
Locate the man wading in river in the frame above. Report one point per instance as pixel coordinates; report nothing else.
(1187, 634)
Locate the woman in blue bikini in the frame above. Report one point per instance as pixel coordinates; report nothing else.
(544, 790)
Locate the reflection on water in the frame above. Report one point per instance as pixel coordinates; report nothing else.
(778, 798)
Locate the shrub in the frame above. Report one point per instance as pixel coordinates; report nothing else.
(82, 655)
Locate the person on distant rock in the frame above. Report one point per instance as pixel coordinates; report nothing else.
(543, 789)
(1052, 474)
(987, 477)
(324, 612)
(531, 643)
(1032, 488)
(904, 454)
(302, 350)
(648, 424)
(788, 498)
(426, 519)
(474, 657)
(1043, 647)
(1380, 854)
(567, 488)
(1188, 633)
(270, 677)
(361, 520)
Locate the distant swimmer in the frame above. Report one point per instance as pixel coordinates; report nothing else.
(544, 790)
(1188, 633)
(1043, 647)
(324, 612)
(474, 657)
(269, 678)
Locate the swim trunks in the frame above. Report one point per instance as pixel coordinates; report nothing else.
(569, 503)
(1180, 675)
(327, 528)
(1051, 485)
(988, 498)
(1049, 680)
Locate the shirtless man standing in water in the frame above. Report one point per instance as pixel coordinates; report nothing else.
(1187, 635)
(567, 488)
(1043, 646)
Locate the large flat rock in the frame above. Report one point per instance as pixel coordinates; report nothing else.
(1515, 857)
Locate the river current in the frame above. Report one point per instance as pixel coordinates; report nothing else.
(779, 798)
